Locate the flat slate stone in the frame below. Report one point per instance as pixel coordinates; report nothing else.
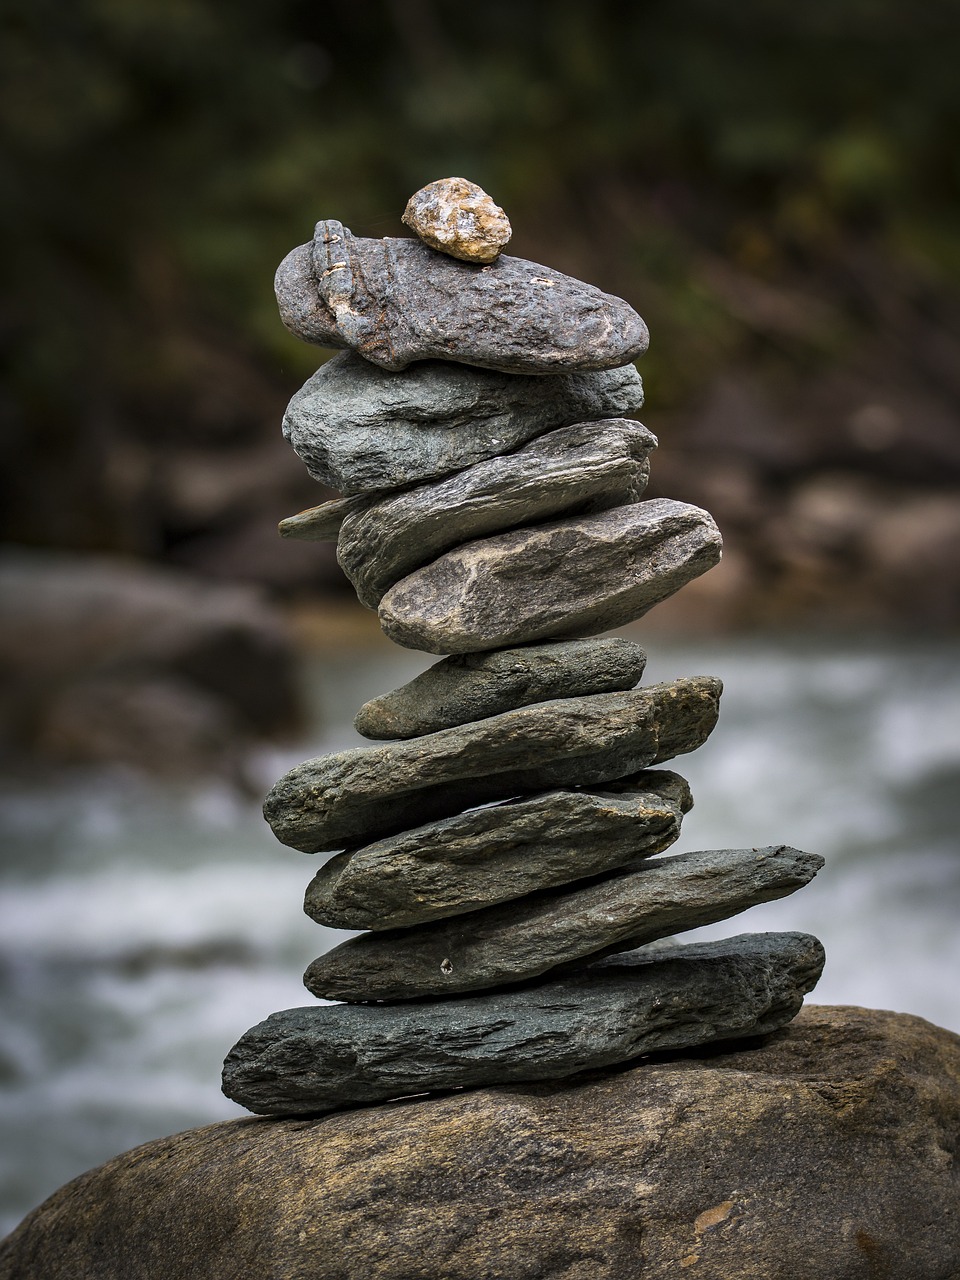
(496, 853)
(352, 797)
(471, 686)
(397, 301)
(821, 1152)
(574, 576)
(457, 217)
(582, 468)
(322, 523)
(306, 1060)
(360, 430)
(519, 940)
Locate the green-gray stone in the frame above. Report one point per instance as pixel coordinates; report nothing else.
(492, 854)
(574, 576)
(355, 796)
(309, 1060)
(519, 940)
(322, 523)
(361, 430)
(583, 468)
(471, 686)
(396, 301)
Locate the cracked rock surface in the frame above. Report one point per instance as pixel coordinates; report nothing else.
(396, 302)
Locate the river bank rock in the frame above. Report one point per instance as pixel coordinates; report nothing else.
(574, 576)
(397, 302)
(360, 429)
(498, 852)
(587, 467)
(554, 929)
(351, 797)
(472, 686)
(826, 1153)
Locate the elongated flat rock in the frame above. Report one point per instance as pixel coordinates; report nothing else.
(352, 797)
(471, 686)
(494, 854)
(321, 523)
(519, 940)
(359, 430)
(457, 217)
(397, 301)
(575, 576)
(303, 1061)
(582, 468)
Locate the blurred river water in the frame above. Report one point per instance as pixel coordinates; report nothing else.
(144, 927)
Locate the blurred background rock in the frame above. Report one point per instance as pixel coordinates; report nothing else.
(773, 186)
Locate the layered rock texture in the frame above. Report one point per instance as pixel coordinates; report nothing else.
(497, 845)
(826, 1152)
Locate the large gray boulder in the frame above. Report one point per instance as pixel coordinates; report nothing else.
(522, 939)
(361, 430)
(351, 797)
(324, 1056)
(586, 467)
(574, 576)
(396, 301)
(825, 1153)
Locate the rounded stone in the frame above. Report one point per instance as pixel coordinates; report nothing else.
(826, 1153)
(457, 217)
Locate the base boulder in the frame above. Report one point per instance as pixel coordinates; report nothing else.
(827, 1151)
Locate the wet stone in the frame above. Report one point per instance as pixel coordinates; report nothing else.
(457, 217)
(352, 797)
(472, 686)
(494, 854)
(310, 1060)
(586, 467)
(523, 939)
(397, 301)
(575, 576)
(360, 430)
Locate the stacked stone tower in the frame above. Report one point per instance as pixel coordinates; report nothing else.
(498, 845)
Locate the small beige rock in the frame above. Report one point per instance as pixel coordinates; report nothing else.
(459, 218)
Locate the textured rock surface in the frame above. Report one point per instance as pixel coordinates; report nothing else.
(573, 576)
(358, 429)
(825, 1153)
(322, 523)
(471, 686)
(495, 853)
(397, 301)
(322, 1057)
(519, 940)
(586, 467)
(354, 796)
(459, 218)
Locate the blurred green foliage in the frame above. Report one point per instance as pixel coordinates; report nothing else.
(160, 156)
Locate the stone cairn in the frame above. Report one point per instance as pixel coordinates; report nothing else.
(496, 845)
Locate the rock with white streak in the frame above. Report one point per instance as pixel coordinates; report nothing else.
(575, 576)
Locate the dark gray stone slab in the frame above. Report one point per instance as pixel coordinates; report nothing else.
(322, 523)
(493, 854)
(575, 576)
(583, 468)
(359, 429)
(457, 217)
(308, 1060)
(352, 797)
(471, 686)
(397, 301)
(519, 940)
